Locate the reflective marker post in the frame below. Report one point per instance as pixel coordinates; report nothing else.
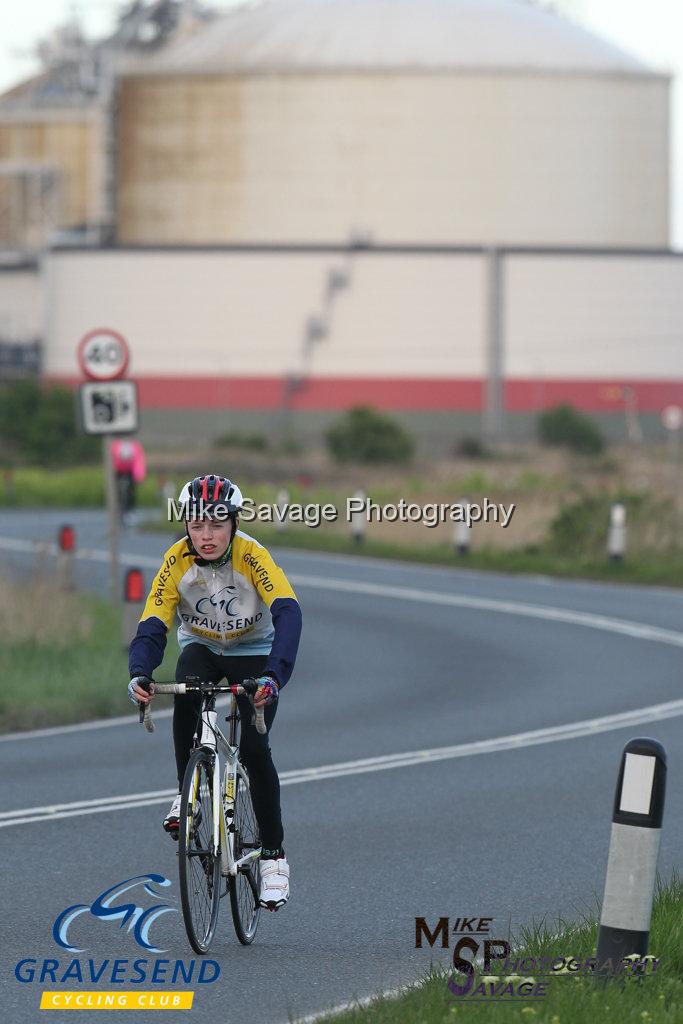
(633, 851)
(281, 502)
(66, 541)
(358, 519)
(461, 532)
(134, 602)
(616, 538)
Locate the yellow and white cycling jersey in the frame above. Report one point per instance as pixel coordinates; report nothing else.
(246, 606)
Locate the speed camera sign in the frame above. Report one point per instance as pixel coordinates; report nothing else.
(103, 354)
(109, 407)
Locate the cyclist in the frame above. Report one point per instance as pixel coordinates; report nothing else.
(239, 618)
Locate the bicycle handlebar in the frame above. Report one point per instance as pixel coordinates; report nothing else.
(247, 688)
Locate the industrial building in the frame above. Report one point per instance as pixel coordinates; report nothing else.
(456, 209)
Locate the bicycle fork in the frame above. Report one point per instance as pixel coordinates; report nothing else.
(224, 810)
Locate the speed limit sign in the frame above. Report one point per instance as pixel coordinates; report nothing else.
(103, 354)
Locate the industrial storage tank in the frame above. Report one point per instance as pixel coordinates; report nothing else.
(433, 121)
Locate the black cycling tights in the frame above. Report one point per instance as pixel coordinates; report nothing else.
(199, 663)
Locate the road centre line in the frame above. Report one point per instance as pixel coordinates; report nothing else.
(515, 741)
(591, 620)
(625, 627)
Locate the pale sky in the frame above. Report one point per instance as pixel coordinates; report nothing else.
(650, 29)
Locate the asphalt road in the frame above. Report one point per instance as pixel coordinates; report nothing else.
(395, 658)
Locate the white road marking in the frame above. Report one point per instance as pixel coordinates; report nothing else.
(625, 627)
(60, 730)
(354, 1004)
(515, 741)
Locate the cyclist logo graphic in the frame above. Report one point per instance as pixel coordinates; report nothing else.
(138, 919)
(225, 604)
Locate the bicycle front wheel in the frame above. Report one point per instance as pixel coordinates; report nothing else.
(244, 886)
(199, 865)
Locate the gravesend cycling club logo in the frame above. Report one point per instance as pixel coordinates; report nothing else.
(129, 908)
(104, 907)
(226, 603)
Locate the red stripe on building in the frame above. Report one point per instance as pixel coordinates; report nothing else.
(592, 395)
(417, 394)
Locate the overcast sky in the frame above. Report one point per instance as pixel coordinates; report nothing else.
(650, 29)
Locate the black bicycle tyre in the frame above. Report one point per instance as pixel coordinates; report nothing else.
(199, 932)
(243, 900)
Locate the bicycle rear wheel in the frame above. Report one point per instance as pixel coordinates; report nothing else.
(244, 886)
(199, 867)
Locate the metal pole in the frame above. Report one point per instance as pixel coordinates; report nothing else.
(494, 396)
(633, 851)
(112, 518)
(674, 460)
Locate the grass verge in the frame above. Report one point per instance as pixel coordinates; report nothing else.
(655, 569)
(571, 998)
(63, 658)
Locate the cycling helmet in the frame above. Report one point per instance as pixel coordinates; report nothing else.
(207, 494)
(210, 493)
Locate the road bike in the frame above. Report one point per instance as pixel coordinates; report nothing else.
(219, 845)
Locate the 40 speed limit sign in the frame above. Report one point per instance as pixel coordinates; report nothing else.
(103, 354)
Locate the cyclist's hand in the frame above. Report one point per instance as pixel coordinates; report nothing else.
(137, 692)
(267, 693)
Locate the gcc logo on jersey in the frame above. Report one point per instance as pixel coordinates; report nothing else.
(138, 919)
(226, 604)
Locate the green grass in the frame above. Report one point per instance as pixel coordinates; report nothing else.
(77, 487)
(63, 658)
(570, 999)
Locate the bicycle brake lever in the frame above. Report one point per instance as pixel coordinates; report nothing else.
(146, 718)
(249, 687)
(146, 712)
(260, 721)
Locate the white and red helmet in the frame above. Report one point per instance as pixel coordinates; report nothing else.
(206, 493)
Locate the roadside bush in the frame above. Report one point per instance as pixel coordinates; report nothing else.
(365, 435)
(38, 426)
(470, 447)
(250, 442)
(580, 527)
(566, 427)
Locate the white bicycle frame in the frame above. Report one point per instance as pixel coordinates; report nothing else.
(224, 810)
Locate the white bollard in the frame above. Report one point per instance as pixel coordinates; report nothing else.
(281, 503)
(616, 537)
(359, 519)
(633, 851)
(461, 532)
(168, 491)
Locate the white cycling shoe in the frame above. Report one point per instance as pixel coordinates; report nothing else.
(274, 891)
(172, 819)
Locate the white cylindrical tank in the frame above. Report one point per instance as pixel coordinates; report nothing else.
(437, 121)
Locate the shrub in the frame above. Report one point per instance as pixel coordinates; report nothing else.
(566, 427)
(39, 426)
(470, 447)
(580, 527)
(365, 435)
(234, 439)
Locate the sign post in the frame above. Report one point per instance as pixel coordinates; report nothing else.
(108, 406)
(672, 418)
